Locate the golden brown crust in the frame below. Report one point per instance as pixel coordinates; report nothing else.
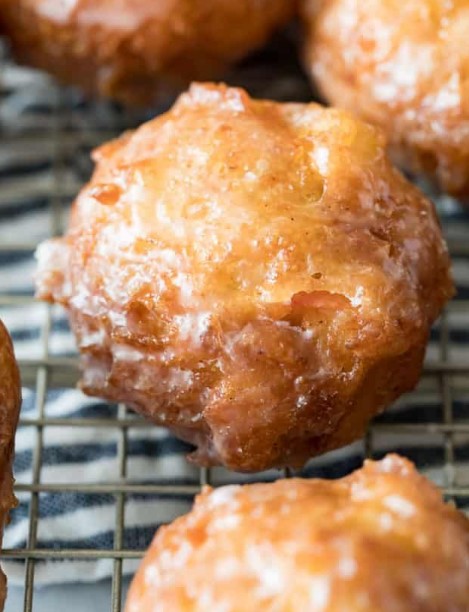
(130, 49)
(256, 276)
(10, 400)
(405, 67)
(380, 539)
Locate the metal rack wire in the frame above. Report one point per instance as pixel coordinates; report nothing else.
(444, 377)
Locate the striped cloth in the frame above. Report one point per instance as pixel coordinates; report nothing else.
(45, 139)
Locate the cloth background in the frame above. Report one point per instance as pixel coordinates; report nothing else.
(46, 134)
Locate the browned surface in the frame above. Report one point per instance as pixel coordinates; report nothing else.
(256, 276)
(10, 399)
(404, 66)
(379, 540)
(128, 49)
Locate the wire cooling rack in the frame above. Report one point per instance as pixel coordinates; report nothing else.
(444, 386)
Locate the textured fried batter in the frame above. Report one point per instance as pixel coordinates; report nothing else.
(130, 49)
(405, 67)
(254, 275)
(380, 539)
(10, 400)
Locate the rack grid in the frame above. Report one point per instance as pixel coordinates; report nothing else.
(444, 378)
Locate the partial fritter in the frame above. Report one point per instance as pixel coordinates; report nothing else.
(10, 401)
(379, 540)
(130, 49)
(405, 67)
(255, 276)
